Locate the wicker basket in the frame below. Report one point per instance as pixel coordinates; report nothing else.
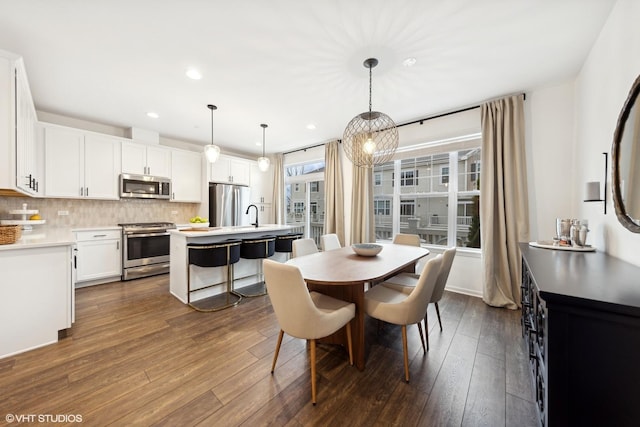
(9, 234)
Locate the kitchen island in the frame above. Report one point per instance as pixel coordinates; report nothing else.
(245, 271)
(36, 290)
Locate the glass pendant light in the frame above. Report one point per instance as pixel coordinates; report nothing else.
(263, 162)
(212, 151)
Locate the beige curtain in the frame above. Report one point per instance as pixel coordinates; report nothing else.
(278, 190)
(504, 210)
(362, 221)
(333, 192)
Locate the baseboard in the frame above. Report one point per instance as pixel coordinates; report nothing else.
(463, 291)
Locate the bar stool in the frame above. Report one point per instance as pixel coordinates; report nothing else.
(225, 253)
(284, 243)
(258, 248)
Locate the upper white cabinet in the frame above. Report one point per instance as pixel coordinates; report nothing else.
(143, 159)
(19, 163)
(261, 192)
(81, 164)
(229, 169)
(186, 176)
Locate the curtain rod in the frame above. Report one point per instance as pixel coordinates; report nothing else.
(421, 121)
(461, 110)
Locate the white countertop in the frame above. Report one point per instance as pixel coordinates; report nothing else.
(106, 227)
(220, 231)
(42, 238)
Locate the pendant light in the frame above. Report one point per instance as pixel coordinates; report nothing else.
(263, 162)
(370, 138)
(212, 151)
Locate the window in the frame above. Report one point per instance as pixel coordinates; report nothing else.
(304, 198)
(407, 207)
(377, 179)
(382, 207)
(442, 207)
(407, 178)
(444, 177)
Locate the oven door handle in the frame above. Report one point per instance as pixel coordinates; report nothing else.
(137, 235)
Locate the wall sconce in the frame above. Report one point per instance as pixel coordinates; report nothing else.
(592, 189)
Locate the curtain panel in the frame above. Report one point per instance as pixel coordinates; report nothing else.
(278, 190)
(333, 192)
(504, 210)
(362, 220)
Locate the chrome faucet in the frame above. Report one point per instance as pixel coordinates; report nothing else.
(247, 213)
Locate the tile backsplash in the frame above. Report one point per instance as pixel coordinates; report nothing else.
(98, 213)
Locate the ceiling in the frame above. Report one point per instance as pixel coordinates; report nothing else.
(288, 63)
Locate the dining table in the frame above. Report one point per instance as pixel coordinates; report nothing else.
(343, 274)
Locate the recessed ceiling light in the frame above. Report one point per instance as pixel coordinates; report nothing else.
(194, 74)
(259, 144)
(409, 62)
(311, 126)
(152, 115)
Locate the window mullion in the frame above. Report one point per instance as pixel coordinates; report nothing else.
(452, 231)
(395, 215)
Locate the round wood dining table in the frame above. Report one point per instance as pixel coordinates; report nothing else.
(342, 274)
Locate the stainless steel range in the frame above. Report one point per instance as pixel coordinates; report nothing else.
(146, 249)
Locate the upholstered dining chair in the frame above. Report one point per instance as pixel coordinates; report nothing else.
(329, 242)
(395, 306)
(303, 314)
(302, 247)
(406, 239)
(405, 282)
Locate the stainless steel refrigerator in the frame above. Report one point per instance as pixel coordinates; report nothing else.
(228, 204)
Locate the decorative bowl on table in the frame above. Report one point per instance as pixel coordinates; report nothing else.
(366, 249)
(199, 224)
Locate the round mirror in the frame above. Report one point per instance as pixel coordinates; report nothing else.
(626, 162)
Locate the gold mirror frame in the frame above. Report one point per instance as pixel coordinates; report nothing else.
(625, 219)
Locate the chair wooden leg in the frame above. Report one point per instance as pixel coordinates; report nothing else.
(405, 351)
(313, 371)
(438, 313)
(349, 342)
(424, 349)
(275, 356)
(426, 329)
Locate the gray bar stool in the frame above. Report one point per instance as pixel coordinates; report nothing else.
(225, 253)
(284, 243)
(258, 248)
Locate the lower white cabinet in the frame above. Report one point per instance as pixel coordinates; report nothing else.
(36, 296)
(98, 255)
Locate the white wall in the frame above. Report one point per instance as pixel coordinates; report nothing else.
(601, 89)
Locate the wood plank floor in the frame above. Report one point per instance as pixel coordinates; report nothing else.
(137, 356)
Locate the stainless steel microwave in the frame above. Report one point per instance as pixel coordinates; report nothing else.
(144, 187)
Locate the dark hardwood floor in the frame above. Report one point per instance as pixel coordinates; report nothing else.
(137, 356)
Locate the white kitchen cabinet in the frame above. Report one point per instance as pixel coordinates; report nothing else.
(261, 192)
(228, 169)
(19, 155)
(98, 255)
(36, 296)
(81, 164)
(144, 159)
(186, 176)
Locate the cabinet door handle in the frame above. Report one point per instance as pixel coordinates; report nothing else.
(99, 235)
(81, 191)
(117, 245)
(37, 186)
(86, 191)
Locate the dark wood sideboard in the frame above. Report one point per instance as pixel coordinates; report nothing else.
(581, 322)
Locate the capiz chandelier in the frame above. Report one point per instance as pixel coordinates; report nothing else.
(370, 138)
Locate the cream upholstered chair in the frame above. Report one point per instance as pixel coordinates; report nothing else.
(302, 247)
(304, 314)
(329, 242)
(394, 306)
(405, 282)
(406, 239)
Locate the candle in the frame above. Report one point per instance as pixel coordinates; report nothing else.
(592, 191)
